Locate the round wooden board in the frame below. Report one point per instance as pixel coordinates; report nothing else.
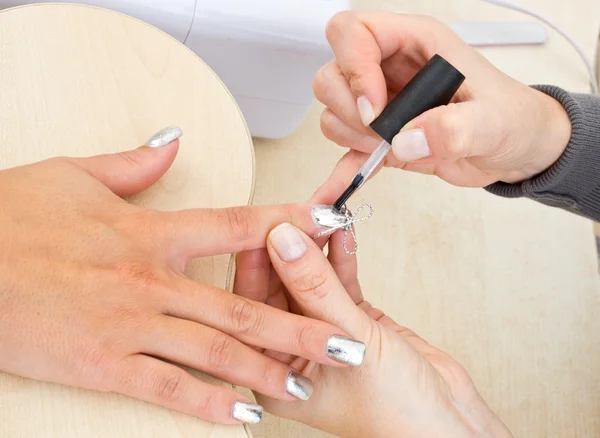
(79, 81)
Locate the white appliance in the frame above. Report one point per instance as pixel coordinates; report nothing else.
(268, 51)
(265, 51)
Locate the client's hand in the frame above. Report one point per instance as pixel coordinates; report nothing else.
(93, 292)
(404, 388)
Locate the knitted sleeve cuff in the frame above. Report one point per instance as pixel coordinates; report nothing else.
(573, 182)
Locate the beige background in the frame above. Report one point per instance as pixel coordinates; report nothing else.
(508, 287)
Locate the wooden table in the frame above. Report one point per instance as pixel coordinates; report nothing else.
(508, 287)
(80, 81)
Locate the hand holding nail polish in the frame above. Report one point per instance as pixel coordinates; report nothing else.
(397, 385)
(496, 129)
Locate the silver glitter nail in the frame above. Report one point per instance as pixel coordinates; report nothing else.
(247, 412)
(327, 216)
(334, 220)
(298, 385)
(346, 350)
(164, 137)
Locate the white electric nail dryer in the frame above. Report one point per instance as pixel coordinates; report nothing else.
(265, 51)
(268, 51)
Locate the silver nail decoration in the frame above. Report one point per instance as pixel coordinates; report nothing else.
(164, 137)
(342, 220)
(298, 385)
(346, 350)
(247, 412)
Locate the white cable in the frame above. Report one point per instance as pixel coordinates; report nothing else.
(588, 64)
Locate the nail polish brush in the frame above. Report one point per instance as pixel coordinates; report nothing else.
(434, 85)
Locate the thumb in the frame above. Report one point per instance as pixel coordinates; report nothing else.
(312, 282)
(446, 133)
(128, 173)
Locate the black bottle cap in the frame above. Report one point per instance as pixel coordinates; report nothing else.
(434, 85)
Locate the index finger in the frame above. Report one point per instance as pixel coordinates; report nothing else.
(209, 232)
(341, 177)
(359, 55)
(364, 40)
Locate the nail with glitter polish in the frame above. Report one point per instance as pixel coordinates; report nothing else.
(328, 217)
(298, 385)
(346, 350)
(247, 412)
(164, 137)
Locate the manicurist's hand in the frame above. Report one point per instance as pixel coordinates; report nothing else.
(496, 129)
(403, 387)
(93, 292)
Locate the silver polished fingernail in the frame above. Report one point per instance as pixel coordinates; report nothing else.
(247, 412)
(328, 217)
(298, 385)
(164, 137)
(346, 350)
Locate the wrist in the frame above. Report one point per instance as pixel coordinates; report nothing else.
(546, 131)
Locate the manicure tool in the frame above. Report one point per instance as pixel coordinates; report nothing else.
(434, 85)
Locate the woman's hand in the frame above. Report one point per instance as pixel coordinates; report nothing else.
(93, 292)
(496, 129)
(404, 388)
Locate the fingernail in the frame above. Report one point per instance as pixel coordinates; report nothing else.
(298, 385)
(365, 109)
(247, 412)
(164, 137)
(410, 145)
(346, 350)
(328, 217)
(288, 243)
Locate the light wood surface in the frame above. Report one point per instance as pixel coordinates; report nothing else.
(80, 81)
(508, 287)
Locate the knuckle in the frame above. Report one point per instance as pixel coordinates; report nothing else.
(428, 21)
(452, 130)
(319, 84)
(326, 77)
(338, 23)
(206, 406)
(170, 387)
(134, 225)
(311, 285)
(241, 223)
(270, 379)
(220, 353)
(305, 337)
(137, 273)
(132, 158)
(435, 26)
(327, 125)
(94, 358)
(123, 314)
(95, 366)
(246, 317)
(355, 77)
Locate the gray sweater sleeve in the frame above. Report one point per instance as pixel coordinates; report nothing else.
(573, 182)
